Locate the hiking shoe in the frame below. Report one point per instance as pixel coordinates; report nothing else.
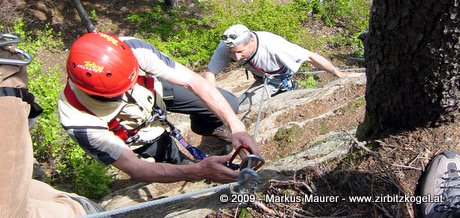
(223, 133)
(295, 85)
(441, 184)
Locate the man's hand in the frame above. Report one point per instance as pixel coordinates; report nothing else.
(341, 74)
(243, 138)
(214, 169)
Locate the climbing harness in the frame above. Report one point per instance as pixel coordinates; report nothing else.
(160, 115)
(10, 39)
(175, 132)
(248, 181)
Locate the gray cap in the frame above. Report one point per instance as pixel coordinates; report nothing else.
(235, 35)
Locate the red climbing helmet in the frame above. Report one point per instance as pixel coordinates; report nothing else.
(101, 64)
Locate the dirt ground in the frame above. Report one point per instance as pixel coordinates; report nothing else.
(394, 166)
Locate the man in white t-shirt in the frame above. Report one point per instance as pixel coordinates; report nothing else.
(264, 53)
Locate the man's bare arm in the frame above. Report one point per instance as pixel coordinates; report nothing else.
(214, 100)
(210, 77)
(211, 168)
(322, 63)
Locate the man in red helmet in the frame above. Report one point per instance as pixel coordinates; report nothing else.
(113, 86)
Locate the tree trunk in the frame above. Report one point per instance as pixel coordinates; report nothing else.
(412, 60)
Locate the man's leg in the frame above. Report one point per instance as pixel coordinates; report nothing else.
(20, 197)
(15, 157)
(45, 201)
(164, 149)
(203, 121)
(252, 97)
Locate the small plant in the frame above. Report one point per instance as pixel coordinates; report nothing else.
(93, 15)
(308, 83)
(287, 134)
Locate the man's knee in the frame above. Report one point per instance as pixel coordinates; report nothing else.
(164, 149)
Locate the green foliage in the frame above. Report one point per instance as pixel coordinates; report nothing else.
(352, 14)
(308, 82)
(244, 213)
(191, 37)
(184, 37)
(190, 34)
(91, 179)
(50, 143)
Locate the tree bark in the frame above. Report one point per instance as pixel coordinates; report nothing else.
(412, 60)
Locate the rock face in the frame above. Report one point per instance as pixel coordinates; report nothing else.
(324, 147)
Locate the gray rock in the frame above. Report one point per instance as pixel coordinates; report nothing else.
(325, 148)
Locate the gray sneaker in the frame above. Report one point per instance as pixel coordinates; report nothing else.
(442, 180)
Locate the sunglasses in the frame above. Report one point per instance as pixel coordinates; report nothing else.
(231, 36)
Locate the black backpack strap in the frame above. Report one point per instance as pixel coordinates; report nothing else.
(26, 96)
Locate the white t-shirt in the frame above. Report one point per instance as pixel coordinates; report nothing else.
(274, 55)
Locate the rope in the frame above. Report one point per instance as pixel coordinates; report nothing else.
(84, 17)
(322, 71)
(247, 182)
(148, 204)
(256, 127)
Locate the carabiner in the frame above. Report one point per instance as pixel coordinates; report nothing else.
(16, 62)
(230, 163)
(8, 39)
(252, 161)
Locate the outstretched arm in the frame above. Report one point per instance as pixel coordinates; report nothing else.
(322, 63)
(214, 100)
(211, 168)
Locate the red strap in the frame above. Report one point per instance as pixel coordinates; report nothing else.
(114, 125)
(73, 100)
(118, 129)
(282, 69)
(147, 82)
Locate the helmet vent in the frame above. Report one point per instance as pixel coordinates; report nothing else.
(108, 74)
(74, 65)
(88, 74)
(123, 47)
